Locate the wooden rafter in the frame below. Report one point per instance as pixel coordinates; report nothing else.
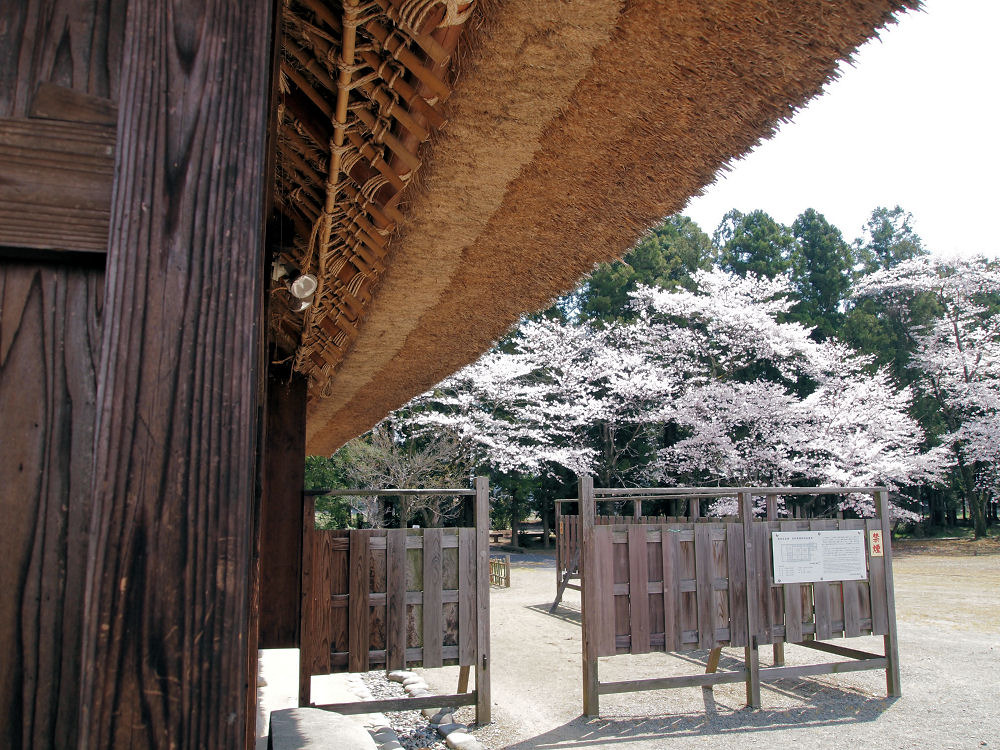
(361, 83)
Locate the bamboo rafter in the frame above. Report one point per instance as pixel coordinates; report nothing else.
(361, 85)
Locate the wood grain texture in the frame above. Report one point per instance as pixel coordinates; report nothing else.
(49, 340)
(671, 590)
(76, 44)
(55, 102)
(359, 637)
(175, 467)
(704, 576)
(737, 585)
(467, 597)
(55, 193)
(638, 588)
(396, 600)
(433, 582)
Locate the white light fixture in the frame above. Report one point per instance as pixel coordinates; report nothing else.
(304, 286)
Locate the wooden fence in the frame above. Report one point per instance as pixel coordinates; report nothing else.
(666, 585)
(398, 598)
(568, 534)
(500, 571)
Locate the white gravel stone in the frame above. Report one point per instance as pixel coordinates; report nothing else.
(439, 716)
(462, 741)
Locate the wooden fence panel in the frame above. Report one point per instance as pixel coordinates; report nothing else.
(433, 582)
(703, 589)
(638, 589)
(396, 599)
(737, 576)
(877, 588)
(358, 608)
(695, 593)
(708, 583)
(604, 602)
(389, 598)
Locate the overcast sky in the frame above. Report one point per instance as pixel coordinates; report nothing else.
(914, 122)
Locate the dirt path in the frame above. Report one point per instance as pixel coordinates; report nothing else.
(948, 609)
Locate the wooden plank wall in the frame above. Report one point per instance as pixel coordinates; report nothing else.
(58, 62)
(49, 344)
(389, 598)
(59, 79)
(682, 586)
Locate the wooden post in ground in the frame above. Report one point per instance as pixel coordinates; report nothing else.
(588, 591)
(308, 606)
(483, 705)
(559, 544)
(778, 649)
(281, 527)
(751, 656)
(167, 625)
(890, 640)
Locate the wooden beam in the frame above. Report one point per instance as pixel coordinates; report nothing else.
(55, 191)
(55, 102)
(168, 580)
(282, 512)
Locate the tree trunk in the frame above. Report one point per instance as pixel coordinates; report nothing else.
(975, 499)
(515, 523)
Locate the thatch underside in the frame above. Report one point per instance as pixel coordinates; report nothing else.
(573, 128)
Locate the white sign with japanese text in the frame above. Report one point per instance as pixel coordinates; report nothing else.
(809, 556)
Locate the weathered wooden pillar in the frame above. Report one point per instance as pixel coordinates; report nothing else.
(751, 654)
(281, 529)
(778, 649)
(588, 594)
(167, 630)
(890, 639)
(484, 706)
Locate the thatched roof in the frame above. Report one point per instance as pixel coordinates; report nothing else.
(489, 155)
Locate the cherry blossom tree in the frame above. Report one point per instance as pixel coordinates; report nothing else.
(956, 356)
(716, 380)
(762, 403)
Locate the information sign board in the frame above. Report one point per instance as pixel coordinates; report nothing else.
(810, 556)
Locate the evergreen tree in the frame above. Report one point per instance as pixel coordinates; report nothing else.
(887, 239)
(821, 267)
(666, 257)
(753, 243)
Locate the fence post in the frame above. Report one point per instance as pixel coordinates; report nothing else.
(772, 515)
(890, 640)
(483, 705)
(305, 618)
(559, 543)
(751, 656)
(591, 697)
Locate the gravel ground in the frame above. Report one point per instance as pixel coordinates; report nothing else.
(413, 730)
(948, 612)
